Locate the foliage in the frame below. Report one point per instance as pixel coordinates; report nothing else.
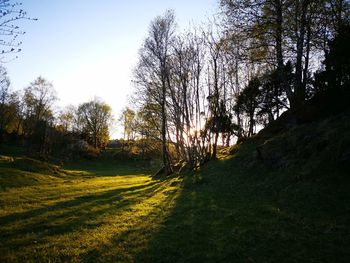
(128, 120)
(221, 121)
(94, 118)
(337, 63)
(38, 99)
(67, 121)
(136, 150)
(263, 99)
(280, 31)
(28, 118)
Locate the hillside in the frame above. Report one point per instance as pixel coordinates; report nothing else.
(281, 196)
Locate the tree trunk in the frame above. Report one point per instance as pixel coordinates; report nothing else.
(251, 124)
(165, 154)
(299, 87)
(215, 145)
(279, 52)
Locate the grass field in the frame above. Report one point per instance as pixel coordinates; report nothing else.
(98, 214)
(116, 212)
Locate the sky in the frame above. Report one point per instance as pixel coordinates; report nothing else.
(88, 48)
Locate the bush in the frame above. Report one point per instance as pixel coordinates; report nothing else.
(83, 149)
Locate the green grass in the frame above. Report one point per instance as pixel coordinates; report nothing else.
(79, 215)
(231, 210)
(228, 214)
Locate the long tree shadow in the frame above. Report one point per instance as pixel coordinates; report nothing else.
(77, 201)
(124, 245)
(191, 233)
(65, 217)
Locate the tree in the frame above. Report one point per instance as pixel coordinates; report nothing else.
(272, 97)
(248, 100)
(67, 119)
(38, 114)
(15, 107)
(221, 122)
(128, 120)
(39, 98)
(337, 63)
(184, 103)
(189, 86)
(285, 30)
(10, 14)
(10, 107)
(94, 119)
(4, 101)
(148, 122)
(152, 74)
(216, 84)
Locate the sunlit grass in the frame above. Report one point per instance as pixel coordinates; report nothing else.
(106, 211)
(83, 218)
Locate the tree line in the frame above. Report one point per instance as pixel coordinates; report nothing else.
(30, 117)
(219, 83)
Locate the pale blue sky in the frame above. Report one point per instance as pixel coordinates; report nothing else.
(88, 48)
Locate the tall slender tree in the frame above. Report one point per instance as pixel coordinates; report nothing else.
(152, 74)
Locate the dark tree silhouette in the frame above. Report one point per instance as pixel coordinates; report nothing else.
(153, 73)
(337, 62)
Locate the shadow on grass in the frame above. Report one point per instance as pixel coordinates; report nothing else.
(67, 216)
(124, 245)
(236, 217)
(221, 214)
(110, 226)
(110, 168)
(98, 199)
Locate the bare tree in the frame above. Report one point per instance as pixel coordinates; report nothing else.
(10, 14)
(4, 99)
(153, 73)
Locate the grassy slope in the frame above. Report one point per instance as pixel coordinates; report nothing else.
(291, 207)
(225, 214)
(290, 204)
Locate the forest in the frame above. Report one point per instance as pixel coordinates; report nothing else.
(235, 145)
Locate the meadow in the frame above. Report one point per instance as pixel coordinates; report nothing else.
(112, 211)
